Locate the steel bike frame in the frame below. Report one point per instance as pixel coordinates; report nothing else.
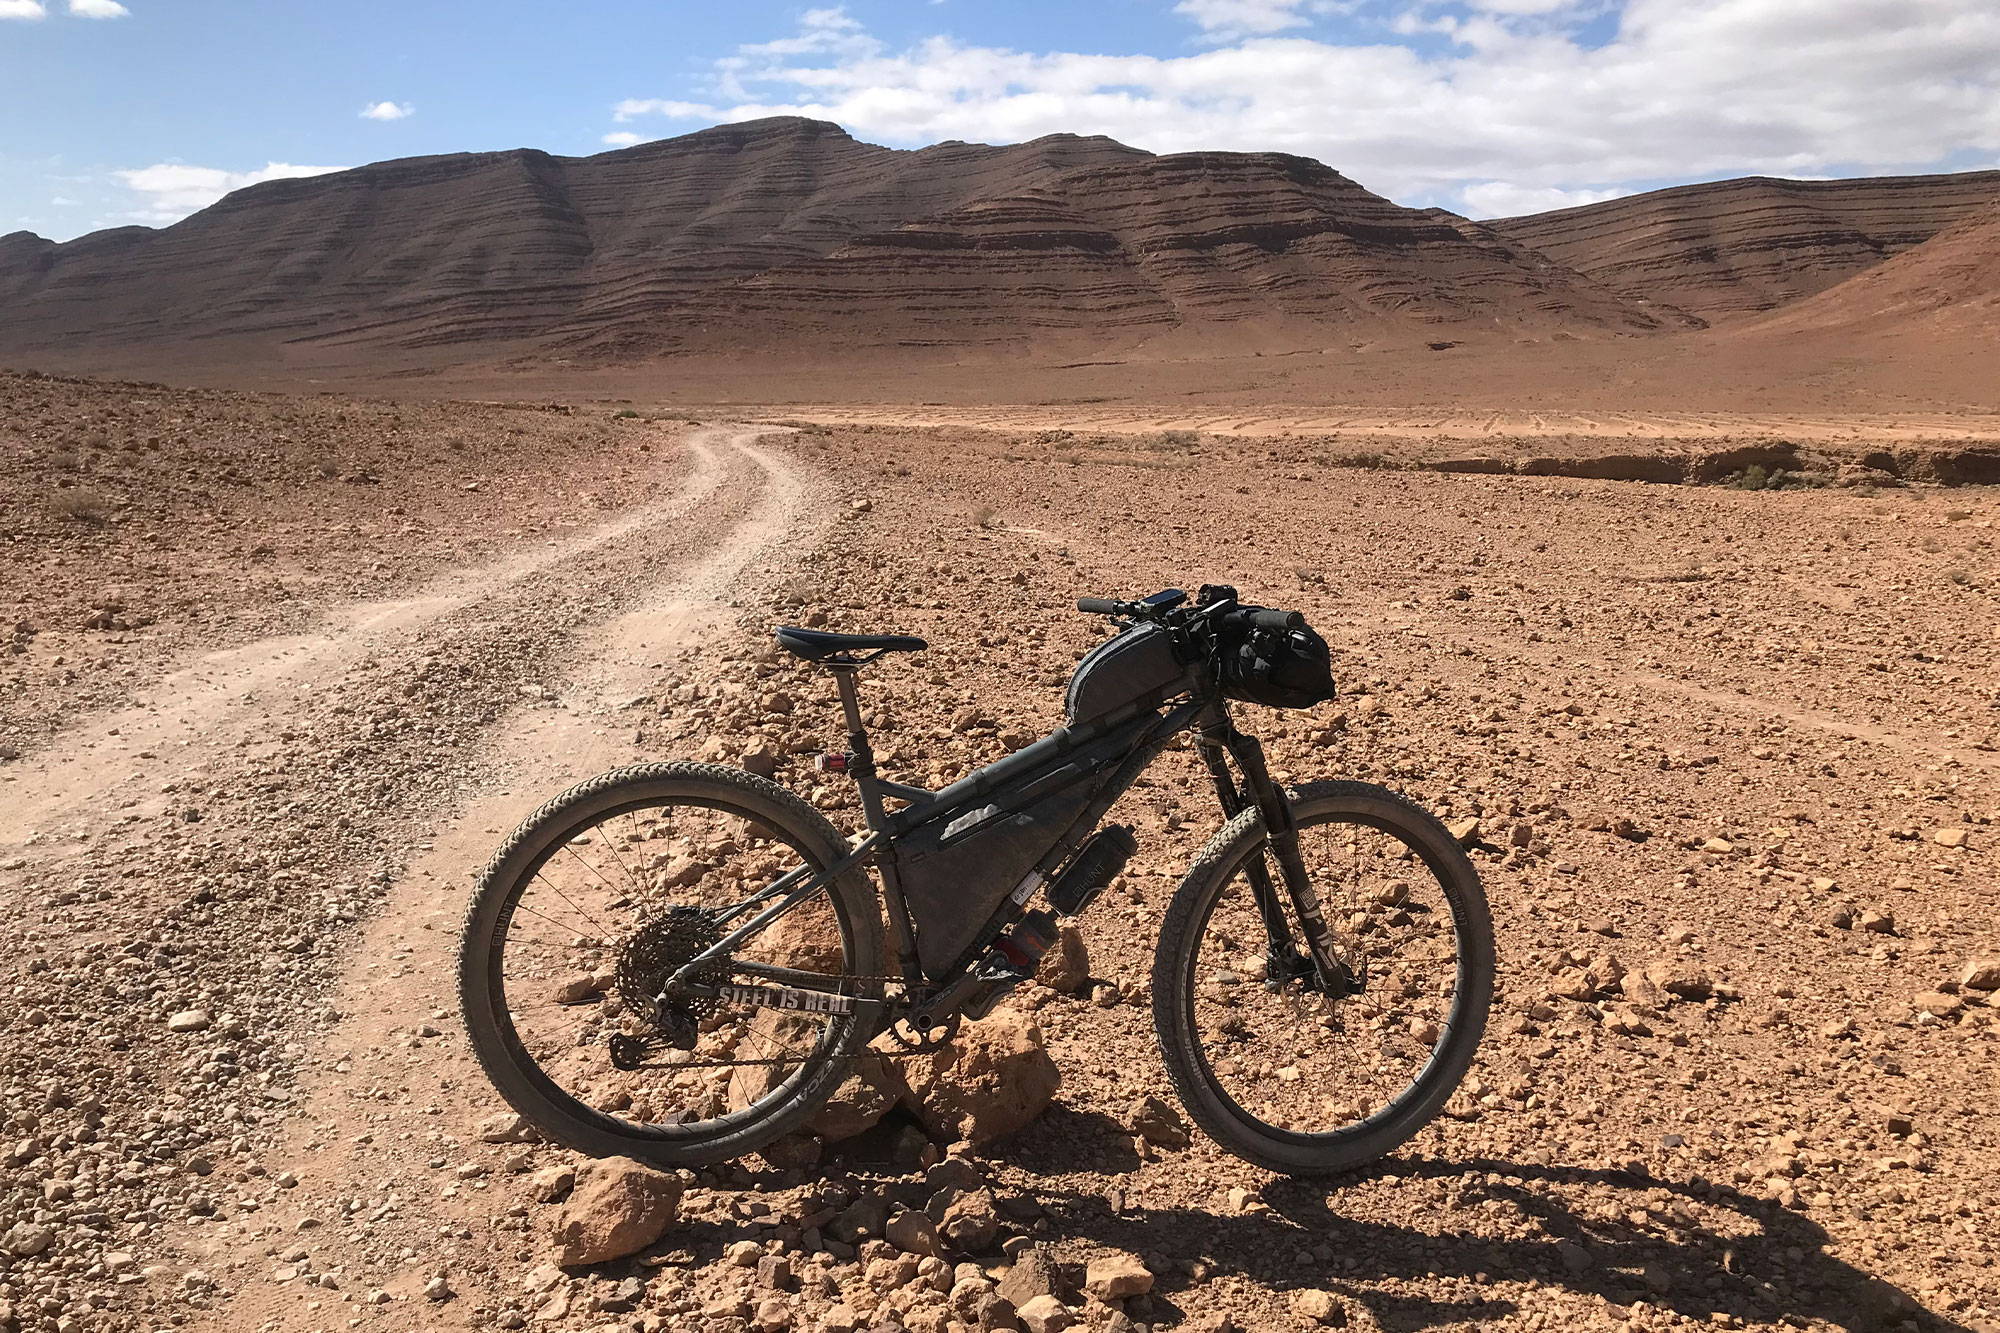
(1219, 742)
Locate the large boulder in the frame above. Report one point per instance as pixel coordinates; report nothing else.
(617, 1208)
(862, 1099)
(993, 1080)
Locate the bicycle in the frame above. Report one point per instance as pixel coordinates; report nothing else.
(680, 962)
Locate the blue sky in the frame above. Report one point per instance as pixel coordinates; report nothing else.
(122, 111)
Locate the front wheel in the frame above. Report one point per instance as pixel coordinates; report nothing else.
(1273, 1069)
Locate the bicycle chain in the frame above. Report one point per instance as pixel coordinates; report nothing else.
(906, 1054)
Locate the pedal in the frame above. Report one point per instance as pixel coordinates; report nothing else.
(995, 981)
(1093, 868)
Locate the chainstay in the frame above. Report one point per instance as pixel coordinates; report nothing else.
(766, 1064)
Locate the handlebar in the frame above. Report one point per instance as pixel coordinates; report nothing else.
(1222, 605)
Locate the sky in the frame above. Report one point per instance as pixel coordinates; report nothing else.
(116, 112)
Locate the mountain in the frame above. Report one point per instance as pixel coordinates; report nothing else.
(1221, 244)
(1722, 250)
(1947, 289)
(790, 229)
(790, 234)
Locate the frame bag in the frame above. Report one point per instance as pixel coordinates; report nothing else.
(957, 867)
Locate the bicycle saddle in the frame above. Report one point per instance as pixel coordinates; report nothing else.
(818, 645)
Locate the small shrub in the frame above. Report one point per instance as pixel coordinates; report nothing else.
(82, 507)
(1171, 441)
(983, 516)
(624, 414)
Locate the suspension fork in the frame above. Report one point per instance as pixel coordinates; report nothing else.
(1212, 741)
(1282, 837)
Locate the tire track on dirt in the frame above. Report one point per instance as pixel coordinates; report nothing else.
(218, 699)
(386, 1105)
(231, 891)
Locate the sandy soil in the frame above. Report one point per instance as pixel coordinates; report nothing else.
(1750, 733)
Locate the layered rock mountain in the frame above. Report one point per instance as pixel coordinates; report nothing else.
(1731, 248)
(789, 233)
(788, 228)
(1947, 289)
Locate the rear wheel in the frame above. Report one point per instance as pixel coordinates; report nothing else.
(600, 897)
(1303, 1082)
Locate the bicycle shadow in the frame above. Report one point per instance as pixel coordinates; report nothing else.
(1709, 1251)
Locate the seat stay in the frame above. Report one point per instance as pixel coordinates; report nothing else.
(815, 882)
(902, 791)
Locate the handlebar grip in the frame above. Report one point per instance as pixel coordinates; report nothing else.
(1279, 620)
(1098, 606)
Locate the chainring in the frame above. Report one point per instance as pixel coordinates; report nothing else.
(649, 958)
(904, 1035)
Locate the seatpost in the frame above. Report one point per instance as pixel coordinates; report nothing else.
(861, 764)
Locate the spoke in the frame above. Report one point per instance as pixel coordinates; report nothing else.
(587, 866)
(611, 845)
(535, 911)
(540, 944)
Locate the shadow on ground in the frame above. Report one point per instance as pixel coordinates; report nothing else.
(1701, 1249)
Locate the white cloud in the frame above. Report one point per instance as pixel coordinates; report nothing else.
(1242, 16)
(623, 138)
(98, 9)
(1228, 20)
(22, 9)
(633, 107)
(1682, 89)
(1522, 6)
(387, 111)
(1504, 199)
(169, 191)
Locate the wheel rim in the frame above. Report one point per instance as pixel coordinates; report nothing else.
(1285, 1061)
(575, 912)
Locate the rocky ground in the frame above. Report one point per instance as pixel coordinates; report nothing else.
(1725, 759)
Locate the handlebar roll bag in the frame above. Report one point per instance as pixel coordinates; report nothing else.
(1136, 666)
(1278, 668)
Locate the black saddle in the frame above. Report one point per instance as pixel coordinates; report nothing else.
(818, 645)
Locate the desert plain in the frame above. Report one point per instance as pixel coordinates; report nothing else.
(1690, 638)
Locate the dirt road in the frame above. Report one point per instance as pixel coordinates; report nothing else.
(1740, 739)
(266, 798)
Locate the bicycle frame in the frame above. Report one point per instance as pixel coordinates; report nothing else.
(1219, 742)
